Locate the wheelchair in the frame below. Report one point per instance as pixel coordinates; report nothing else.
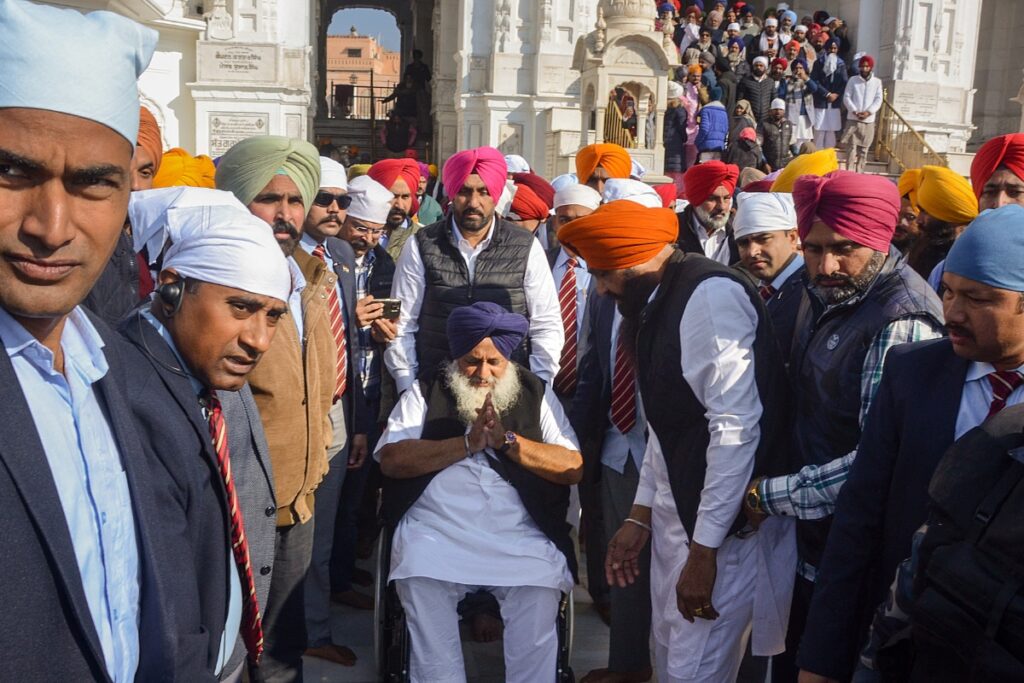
(391, 636)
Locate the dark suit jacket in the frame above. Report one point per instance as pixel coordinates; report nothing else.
(589, 412)
(783, 308)
(357, 416)
(46, 630)
(885, 499)
(689, 243)
(176, 435)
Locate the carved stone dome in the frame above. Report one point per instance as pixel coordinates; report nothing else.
(629, 15)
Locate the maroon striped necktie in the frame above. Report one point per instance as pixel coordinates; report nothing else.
(252, 623)
(565, 380)
(338, 330)
(767, 291)
(623, 408)
(1003, 383)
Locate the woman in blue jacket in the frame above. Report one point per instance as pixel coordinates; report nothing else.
(713, 131)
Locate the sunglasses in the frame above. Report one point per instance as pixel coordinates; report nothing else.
(325, 199)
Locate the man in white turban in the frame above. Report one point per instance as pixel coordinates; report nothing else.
(633, 190)
(69, 455)
(221, 293)
(765, 232)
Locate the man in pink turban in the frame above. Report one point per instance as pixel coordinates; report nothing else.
(473, 255)
(865, 300)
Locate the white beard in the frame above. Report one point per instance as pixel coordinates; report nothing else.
(469, 398)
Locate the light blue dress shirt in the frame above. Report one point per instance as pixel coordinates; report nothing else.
(83, 457)
(794, 265)
(618, 446)
(582, 285)
(234, 618)
(295, 298)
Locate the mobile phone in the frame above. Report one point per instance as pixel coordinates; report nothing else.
(392, 308)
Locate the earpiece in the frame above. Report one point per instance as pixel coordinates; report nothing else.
(171, 294)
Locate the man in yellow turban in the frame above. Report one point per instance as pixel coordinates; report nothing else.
(947, 204)
(819, 163)
(598, 162)
(907, 230)
(181, 169)
(728, 379)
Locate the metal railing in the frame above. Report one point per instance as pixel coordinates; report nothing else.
(359, 101)
(614, 131)
(896, 140)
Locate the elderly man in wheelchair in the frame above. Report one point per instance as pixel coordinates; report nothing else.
(477, 464)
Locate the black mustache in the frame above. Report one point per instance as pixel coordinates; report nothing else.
(285, 228)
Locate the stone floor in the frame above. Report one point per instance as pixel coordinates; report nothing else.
(483, 661)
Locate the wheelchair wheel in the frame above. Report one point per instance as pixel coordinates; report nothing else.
(391, 637)
(566, 632)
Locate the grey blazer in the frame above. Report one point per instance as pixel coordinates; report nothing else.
(254, 481)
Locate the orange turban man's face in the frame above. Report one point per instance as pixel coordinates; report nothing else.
(143, 169)
(1003, 187)
(598, 178)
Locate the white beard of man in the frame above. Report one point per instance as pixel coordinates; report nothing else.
(469, 397)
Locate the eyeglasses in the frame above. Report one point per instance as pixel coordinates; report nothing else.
(325, 199)
(372, 232)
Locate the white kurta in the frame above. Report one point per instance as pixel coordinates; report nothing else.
(470, 526)
(717, 331)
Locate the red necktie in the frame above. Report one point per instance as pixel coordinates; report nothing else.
(252, 623)
(565, 380)
(1003, 383)
(767, 291)
(623, 389)
(338, 330)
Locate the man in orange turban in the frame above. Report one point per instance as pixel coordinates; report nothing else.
(180, 169)
(997, 172)
(705, 225)
(402, 177)
(598, 162)
(149, 150)
(704, 359)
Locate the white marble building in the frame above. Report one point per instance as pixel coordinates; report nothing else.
(503, 69)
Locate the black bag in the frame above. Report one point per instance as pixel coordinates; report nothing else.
(968, 614)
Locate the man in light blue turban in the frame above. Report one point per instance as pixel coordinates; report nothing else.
(89, 557)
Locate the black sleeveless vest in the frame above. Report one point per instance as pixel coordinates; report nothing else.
(673, 410)
(828, 364)
(546, 502)
(498, 278)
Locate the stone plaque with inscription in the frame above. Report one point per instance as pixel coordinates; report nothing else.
(227, 128)
(236, 62)
(916, 101)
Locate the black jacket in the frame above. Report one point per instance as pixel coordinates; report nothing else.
(758, 93)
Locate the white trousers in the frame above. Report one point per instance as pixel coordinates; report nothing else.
(530, 640)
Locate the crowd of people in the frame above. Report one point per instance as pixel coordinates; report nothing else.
(757, 90)
(780, 415)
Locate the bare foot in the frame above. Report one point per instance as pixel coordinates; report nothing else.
(339, 654)
(485, 628)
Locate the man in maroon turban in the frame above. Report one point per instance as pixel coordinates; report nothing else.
(997, 173)
(864, 299)
(402, 177)
(705, 225)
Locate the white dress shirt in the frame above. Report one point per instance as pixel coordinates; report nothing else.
(717, 332)
(469, 525)
(546, 334)
(977, 397)
(715, 245)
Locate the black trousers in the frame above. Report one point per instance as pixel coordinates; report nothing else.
(284, 618)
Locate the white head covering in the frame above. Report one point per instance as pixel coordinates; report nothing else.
(799, 28)
(504, 204)
(675, 90)
(147, 213)
(86, 65)
(581, 195)
(830, 20)
(637, 169)
(778, 103)
(762, 59)
(857, 56)
(332, 174)
(516, 164)
(563, 180)
(733, 27)
(218, 242)
(763, 212)
(771, 21)
(371, 201)
(632, 190)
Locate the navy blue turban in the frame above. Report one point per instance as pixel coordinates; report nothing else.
(470, 325)
(991, 249)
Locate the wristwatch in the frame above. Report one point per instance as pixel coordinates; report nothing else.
(510, 441)
(754, 496)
